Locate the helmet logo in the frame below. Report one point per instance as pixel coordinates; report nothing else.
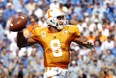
(49, 11)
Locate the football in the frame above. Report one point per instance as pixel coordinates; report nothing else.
(18, 24)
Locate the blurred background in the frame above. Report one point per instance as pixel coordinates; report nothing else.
(96, 20)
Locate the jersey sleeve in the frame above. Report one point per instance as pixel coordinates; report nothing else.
(36, 31)
(75, 30)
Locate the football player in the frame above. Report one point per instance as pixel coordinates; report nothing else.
(55, 40)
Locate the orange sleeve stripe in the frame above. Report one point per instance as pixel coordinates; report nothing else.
(48, 68)
(29, 28)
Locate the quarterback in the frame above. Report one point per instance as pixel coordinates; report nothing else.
(55, 40)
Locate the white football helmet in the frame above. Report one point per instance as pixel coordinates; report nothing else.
(52, 18)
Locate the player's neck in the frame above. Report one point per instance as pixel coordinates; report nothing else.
(53, 29)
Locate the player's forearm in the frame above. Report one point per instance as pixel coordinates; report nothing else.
(21, 40)
(80, 40)
(83, 41)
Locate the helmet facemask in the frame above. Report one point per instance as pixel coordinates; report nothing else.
(61, 22)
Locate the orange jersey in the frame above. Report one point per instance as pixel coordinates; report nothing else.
(56, 45)
(30, 27)
(27, 31)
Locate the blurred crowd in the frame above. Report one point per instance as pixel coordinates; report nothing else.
(96, 20)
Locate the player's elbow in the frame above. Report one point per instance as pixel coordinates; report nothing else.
(21, 40)
(21, 44)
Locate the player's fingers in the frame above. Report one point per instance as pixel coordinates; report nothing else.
(90, 41)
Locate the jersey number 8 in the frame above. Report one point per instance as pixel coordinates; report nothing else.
(56, 47)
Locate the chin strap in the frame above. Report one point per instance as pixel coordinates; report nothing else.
(59, 27)
(65, 22)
